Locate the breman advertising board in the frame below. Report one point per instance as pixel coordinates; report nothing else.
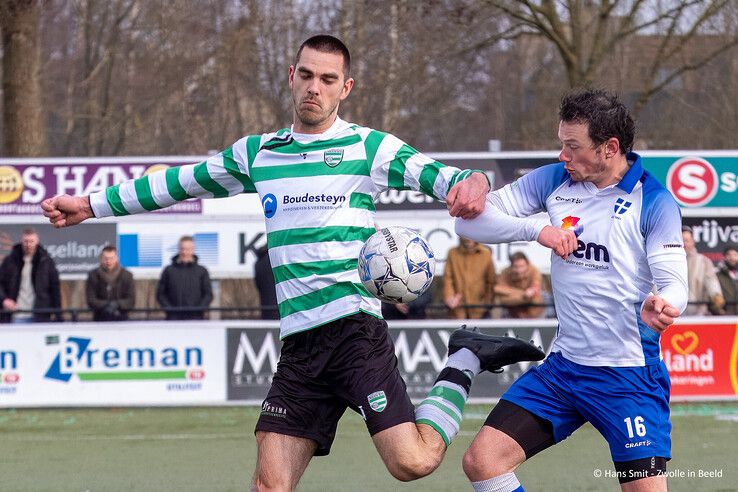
(131, 363)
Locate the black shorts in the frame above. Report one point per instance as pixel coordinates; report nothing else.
(348, 363)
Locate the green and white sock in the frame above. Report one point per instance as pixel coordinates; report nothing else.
(443, 408)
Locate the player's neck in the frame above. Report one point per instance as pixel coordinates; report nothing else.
(614, 175)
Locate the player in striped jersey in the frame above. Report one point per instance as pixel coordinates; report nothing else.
(317, 182)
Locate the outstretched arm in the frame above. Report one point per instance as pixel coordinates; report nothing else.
(222, 175)
(506, 217)
(396, 165)
(65, 210)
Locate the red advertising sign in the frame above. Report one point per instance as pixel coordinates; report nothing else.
(702, 360)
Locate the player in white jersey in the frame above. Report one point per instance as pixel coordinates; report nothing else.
(620, 234)
(317, 182)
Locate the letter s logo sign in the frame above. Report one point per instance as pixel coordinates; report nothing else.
(693, 181)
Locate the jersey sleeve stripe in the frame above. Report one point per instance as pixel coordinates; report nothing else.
(428, 177)
(231, 166)
(115, 202)
(143, 194)
(301, 270)
(253, 143)
(396, 175)
(362, 200)
(321, 297)
(174, 188)
(308, 169)
(371, 144)
(208, 183)
(308, 235)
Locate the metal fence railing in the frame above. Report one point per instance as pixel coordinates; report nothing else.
(432, 311)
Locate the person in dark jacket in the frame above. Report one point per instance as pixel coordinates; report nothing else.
(728, 278)
(110, 288)
(184, 284)
(264, 278)
(29, 281)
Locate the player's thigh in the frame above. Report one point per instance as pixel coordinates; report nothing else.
(365, 375)
(281, 460)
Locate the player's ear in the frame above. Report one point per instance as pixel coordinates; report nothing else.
(612, 147)
(347, 86)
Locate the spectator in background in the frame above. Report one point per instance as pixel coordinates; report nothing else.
(110, 288)
(185, 284)
(520, 284)
(705, 296)
(469, 278)
(264, 278)
(29, 281)
(728, 278)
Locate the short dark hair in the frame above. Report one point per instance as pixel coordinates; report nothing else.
(325, 43)
(603, 113)
(29, 231)
(186, 238)
(518, 256)
(109, 249)
(730, 247)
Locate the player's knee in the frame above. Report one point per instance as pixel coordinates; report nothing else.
(481, 466)
(265, 481)
(410, 468)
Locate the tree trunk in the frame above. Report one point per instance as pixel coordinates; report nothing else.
(25, 129)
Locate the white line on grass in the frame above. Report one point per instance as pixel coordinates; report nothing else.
(128, 437)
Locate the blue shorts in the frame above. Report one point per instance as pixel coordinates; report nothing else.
(629, 406)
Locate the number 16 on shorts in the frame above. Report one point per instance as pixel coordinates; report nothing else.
(635, 424)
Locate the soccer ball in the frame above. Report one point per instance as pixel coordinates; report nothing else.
(396, 265)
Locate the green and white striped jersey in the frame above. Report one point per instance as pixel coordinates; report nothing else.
(318, 194)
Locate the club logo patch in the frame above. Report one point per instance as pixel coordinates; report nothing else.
(377, 401)
(333, 157)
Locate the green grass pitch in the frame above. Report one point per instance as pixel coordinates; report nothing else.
(213, 449)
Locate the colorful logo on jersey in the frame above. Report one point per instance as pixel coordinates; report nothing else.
(377, 401)
(269, 202)
(572, 223)
(621, 206)
(333, 157)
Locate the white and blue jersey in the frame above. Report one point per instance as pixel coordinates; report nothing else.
(605, 365)
(629, 239)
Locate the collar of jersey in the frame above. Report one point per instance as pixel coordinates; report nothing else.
(331, 132)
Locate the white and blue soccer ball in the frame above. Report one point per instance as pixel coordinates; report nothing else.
(396, 265)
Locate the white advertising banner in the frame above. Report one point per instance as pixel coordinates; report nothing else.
(128, 363)
(227, 245)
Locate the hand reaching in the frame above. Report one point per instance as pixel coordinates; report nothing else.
(658, 314)
(466, 198)
(562, 242)
(65, 210)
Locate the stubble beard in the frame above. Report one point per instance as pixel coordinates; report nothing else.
(311, 118)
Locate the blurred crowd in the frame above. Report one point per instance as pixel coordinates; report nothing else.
(471, 287)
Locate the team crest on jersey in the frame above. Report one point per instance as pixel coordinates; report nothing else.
(333, 157)
(377, 401)
(621, 206)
